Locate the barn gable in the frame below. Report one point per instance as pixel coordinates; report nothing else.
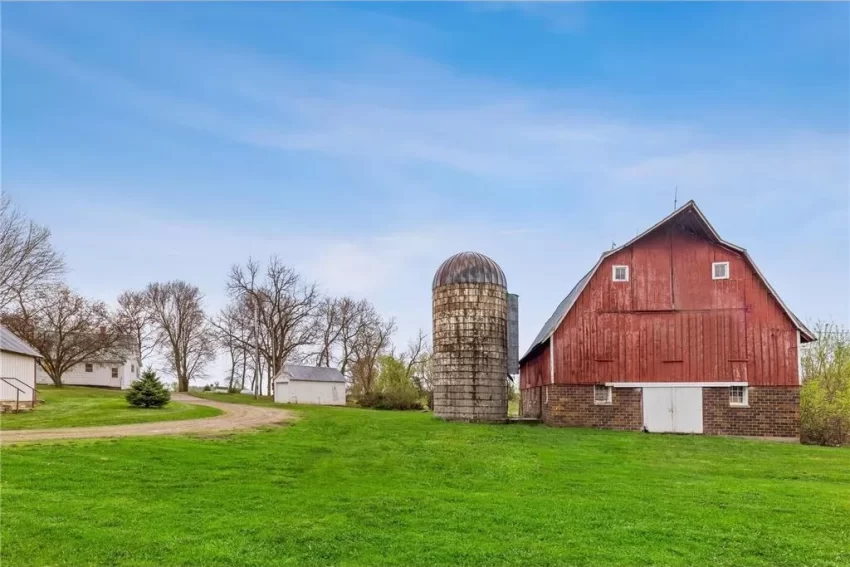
(689, 220)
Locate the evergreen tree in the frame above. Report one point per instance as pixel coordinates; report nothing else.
(148, 391)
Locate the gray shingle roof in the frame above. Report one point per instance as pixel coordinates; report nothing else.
(11, 342)
(559, 313)
(310, 374)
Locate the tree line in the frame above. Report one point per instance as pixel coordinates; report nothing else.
(273, 317)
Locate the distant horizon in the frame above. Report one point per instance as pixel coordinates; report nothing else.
(363, 144)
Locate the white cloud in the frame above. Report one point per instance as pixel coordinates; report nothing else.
(428, 135)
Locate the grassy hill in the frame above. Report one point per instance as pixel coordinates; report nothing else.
(344, 486)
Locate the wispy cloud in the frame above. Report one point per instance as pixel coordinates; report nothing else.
(542, 179)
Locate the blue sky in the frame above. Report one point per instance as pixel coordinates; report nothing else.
(364, 143)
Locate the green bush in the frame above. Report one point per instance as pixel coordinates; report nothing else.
(825, 395)
(148, 391)
(394, 389)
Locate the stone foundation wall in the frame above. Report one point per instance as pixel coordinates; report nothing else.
(470, 352)
(774, 411)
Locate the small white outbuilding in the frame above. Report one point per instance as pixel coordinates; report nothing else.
(18, 363)
(309, 385)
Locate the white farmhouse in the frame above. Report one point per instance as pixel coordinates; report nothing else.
(309, 385)
(113, 371)
(18, 364)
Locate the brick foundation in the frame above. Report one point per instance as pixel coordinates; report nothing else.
(572, 406)
(774, 411)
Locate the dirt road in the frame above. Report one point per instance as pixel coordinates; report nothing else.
(235, 417)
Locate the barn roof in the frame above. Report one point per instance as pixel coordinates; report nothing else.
(294, 372)
(688, 217)
(10, 342)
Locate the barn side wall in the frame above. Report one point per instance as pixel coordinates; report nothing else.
(772, 412)
(671, 322)
(572, 405)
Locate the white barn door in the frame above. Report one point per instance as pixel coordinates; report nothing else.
(672, 410)
(687, 410)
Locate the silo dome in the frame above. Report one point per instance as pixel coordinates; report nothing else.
(469, 267)
(470, 308)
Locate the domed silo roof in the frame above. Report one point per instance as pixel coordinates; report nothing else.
(469, 267)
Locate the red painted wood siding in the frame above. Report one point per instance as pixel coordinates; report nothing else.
(672, 323)
(535, 370)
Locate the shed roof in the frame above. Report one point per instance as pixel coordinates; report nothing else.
(691, 218)
(10, 342)
(294, 372)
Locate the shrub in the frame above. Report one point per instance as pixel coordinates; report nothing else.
(207, 388)
(393, 389)
(148, 391)
(825, 395)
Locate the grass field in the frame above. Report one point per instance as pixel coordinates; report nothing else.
(344, 486)
(81, 407)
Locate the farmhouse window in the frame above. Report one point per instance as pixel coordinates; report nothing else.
(602, 394)
(620, 274)
(738, 396)
(115, 373)
(89, 368)
(720, 270)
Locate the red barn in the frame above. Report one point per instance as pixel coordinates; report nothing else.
(675, 331)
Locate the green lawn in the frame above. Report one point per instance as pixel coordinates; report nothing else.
(75, 406)
(344, 486)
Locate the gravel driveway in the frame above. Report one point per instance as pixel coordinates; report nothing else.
(235, 417)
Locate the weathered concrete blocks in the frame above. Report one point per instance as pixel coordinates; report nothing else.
(470, 351)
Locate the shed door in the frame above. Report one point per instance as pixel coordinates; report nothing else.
(672, 410)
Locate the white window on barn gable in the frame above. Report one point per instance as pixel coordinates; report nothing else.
(602, 394)
(89, 367)
(620, 273)
(115, 373)
(720, 270)
(738, 396)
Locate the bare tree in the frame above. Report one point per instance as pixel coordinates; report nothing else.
(232, 332)
(329, 323)
(373, 340)
(356, 318)
(188, 341)
(66, 328)
(27, 258)
(286, 307)
(136, 318)
(416, 352)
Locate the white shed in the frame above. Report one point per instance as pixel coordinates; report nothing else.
(309, 385)
(18, 363)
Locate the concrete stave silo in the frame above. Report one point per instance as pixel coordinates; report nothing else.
(470, 308)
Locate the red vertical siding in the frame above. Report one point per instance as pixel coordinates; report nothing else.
(534, 370)
(671, 322)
